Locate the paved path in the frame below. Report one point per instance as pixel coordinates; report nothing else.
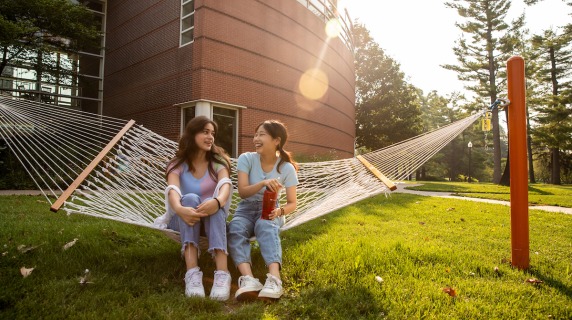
(401, 188)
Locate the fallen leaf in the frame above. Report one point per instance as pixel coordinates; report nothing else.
(23, 249)
(447, 270)
(534, 281)
(26, 271)
(450, 209)
(84, 280)
(379, 279)
(497, 269)
(70, 244)
(450, 291)
(4, 253)
(421, 222)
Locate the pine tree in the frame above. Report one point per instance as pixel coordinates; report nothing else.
(552, 105)
(482, 55)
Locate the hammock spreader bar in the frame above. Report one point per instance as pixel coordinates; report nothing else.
(82, 176)
(390, 185)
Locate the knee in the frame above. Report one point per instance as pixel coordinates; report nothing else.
(190, 200)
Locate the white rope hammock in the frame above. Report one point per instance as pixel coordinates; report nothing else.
(111, 168)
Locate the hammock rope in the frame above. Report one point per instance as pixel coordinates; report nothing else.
(56, 144)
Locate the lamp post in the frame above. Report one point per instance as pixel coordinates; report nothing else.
(470, 145)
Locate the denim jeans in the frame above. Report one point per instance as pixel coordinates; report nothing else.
(246, 223)
(215, 227)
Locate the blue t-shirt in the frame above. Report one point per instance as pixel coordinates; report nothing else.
(203, 187)
(249, 162)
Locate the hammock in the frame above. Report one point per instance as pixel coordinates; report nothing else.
(114, 169)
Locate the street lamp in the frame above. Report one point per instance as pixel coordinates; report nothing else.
(470, 145)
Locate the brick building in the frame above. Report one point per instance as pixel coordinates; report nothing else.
(239, 62)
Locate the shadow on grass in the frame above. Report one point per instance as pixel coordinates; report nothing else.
(339, 302)
(538, 191)
(552, 282)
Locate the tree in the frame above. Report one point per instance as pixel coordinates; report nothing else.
(30, 31)
(553, 104)
(387, 107)
(482, 57)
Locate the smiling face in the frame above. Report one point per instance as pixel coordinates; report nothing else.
(263, 141)
(205, 139)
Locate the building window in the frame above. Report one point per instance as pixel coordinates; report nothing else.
(187, 21)
(188, 115)
(226, 120)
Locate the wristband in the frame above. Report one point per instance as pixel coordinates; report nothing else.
(218, 202)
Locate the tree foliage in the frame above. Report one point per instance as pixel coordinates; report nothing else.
(553, 100)
(33, 29)
(387, 107)
(488, 41)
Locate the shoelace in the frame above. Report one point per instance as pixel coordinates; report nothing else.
(221, 279)
(195, 279)
(271, 284)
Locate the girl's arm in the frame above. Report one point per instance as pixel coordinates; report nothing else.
(188, 214)
(290, 205)
(246, 190)
(211, 206)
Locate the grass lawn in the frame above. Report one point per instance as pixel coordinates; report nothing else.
(539, 194)
(419, 247)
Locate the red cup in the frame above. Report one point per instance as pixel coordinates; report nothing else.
(268, 203)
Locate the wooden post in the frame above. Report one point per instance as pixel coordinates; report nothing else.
(60, 201)
(390, 185)
(518, 163)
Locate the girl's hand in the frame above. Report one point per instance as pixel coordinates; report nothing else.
(273, 184)
(275, 214)
(208, 207)
(191, 215)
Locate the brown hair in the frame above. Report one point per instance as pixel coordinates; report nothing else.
(188, 148)
(277, 129)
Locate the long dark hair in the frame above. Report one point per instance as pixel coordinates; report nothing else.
(188, 148)
(277, 129)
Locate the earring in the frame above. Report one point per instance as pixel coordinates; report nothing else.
(277, 153)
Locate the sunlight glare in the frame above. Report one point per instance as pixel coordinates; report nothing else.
(313, 84)
(333, 28)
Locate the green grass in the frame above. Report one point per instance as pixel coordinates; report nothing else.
(538, 194)
(418, 245)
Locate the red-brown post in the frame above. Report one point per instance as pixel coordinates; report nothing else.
(518, 163)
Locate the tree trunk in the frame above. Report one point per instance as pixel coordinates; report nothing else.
(555, 176)
(529, 147)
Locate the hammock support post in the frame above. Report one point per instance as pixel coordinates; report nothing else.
(518, 163)
(60, 201)
(390, 185)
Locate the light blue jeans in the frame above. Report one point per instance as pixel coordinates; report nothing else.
(246, 223)
(215, 227)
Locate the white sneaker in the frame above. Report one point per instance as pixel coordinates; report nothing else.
(272, 288)
(221, 286)
(194, 283)
(248, 288)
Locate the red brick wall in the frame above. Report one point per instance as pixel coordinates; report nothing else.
(249, 53)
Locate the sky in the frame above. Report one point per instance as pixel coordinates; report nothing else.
(420, 34)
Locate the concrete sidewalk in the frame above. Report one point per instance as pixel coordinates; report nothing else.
(401, 188)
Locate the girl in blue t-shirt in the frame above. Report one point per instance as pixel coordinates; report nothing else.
(270, 167)
(199, 192)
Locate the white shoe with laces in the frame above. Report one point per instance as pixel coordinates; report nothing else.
(248, 288)
(194, 283)
(272, 288)
(221, 286)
